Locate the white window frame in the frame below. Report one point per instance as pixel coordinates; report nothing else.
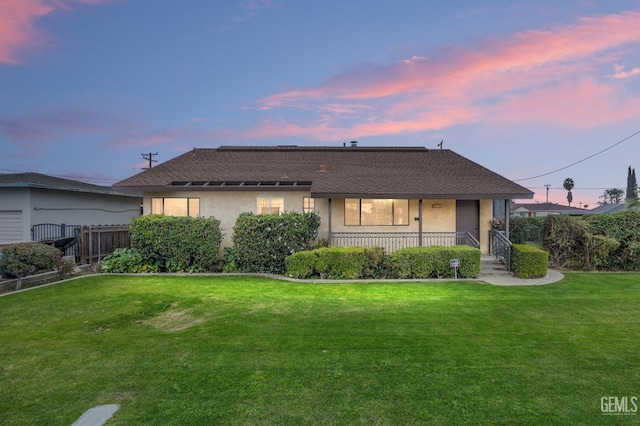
(192, 203)
(270, 203)
(308, 205)
(395, 218)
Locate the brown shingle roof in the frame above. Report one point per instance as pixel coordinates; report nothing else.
(382, 172)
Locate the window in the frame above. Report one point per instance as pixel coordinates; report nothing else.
(176, 206)
(308, 205)
(372, 212)
(270, 205)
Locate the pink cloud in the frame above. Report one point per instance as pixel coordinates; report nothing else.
(460, 84)
(18, 31)
(625, 74)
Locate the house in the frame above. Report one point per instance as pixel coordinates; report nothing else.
(29, 199)
(388, 196)
(607, 209)
(544, 209)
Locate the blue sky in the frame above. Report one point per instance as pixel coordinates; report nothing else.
(521, 87)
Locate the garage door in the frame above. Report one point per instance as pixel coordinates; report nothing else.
(11, 226)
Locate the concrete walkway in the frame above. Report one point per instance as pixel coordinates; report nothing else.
(551, 277)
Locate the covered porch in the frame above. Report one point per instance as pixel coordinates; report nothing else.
(392, 241)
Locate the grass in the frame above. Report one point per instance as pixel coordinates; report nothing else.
(234, 350)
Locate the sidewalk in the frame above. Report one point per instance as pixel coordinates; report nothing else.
(505, 280)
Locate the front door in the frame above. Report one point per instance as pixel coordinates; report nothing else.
(468, 217)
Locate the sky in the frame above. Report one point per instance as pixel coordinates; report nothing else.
(537, 91)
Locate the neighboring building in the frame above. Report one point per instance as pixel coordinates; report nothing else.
(544, 209)
(607, 209)
(28, 199)
(389, 196)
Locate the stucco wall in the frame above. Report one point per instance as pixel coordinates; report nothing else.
(226, 206)
(82, 208)
(439, 215)
(486, 214)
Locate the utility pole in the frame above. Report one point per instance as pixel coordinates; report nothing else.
(547, 186)
(149, 157)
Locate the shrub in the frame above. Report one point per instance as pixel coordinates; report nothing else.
(301, 264)
(596, 252)
(528, 261)
(65, 266)
(177, 244)
(262, 242)
(433, 262)
(22, 259)
(562, 235)
(340, 262)
(624, 227)
(525, 229)
(337, 263)
(126, 261)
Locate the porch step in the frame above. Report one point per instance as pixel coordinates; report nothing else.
(489, 265)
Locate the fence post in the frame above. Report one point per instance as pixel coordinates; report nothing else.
(63, 230)
(90, 245)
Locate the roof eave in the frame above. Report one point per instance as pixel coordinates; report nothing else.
(418, 196)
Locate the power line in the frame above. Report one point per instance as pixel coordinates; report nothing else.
(580, 161)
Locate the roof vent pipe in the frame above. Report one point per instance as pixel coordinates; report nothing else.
(354, 144)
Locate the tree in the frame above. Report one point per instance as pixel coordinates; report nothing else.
(611, 196)
(568, 185)
(632, 185)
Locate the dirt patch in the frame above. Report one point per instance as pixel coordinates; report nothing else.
(175, 320)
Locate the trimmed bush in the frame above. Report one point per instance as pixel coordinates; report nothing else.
(262, 242)
(177, 244)
(337, 263)
(301, 264)
(433, 262)
(528, 261)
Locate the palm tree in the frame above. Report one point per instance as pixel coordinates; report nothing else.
(568, 185)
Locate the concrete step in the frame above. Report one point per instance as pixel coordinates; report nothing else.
(489, 265)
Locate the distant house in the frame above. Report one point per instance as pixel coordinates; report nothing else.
(28, 199)
(544, 209)
(387, 196)
(607, 209)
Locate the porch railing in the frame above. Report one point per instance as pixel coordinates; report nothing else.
(392, 241)
(500, 247)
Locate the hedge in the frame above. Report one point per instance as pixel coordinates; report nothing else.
(177, 244)
(337, 263)
(262, 242)
(433, 262)
(528, 261)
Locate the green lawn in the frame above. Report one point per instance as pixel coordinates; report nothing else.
(234, 350)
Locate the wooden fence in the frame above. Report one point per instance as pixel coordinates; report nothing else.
(98, 241)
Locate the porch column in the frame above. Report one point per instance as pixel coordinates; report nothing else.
(507, 214)
(420, 222)
(329, 223)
